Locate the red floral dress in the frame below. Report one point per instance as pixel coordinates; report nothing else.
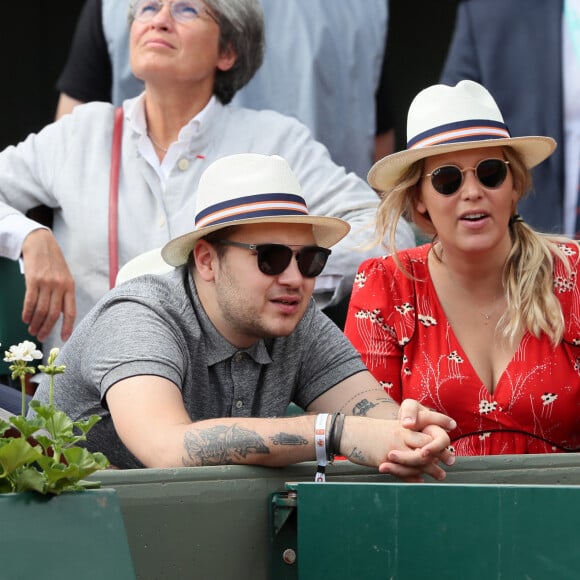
(404, 337)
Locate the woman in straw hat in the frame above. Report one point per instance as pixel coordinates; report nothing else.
(483, 323)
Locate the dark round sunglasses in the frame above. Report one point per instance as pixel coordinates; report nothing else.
(448, 179)
(273, 259)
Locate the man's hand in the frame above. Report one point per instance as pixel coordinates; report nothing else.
(417, 418)
(50, 287)
(394, 449)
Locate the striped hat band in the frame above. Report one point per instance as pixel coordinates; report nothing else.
(252, 206)
(461, 131)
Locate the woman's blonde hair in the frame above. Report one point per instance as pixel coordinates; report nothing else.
(528, 274)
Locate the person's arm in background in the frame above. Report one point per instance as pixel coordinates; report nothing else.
(461, 61)
(65, 105)
(87, 75)
(27, 175)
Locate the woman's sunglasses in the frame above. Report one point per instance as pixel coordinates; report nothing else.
(448, 179)
(273, 259)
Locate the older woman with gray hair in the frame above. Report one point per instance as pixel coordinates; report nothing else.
(123, 182)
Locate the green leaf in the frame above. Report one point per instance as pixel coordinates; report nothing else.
(85, 484)
(61, 477)
(44, 441)
(55, 470)
(101, 459)
(86, 425)
(57, 423)
(29, 479)
(16, 453)
(85, 460)
(34, 404)
(4, 426)
(27, 426)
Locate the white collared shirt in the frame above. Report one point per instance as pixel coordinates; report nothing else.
(136, 118)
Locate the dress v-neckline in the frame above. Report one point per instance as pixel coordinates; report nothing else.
(442, 316)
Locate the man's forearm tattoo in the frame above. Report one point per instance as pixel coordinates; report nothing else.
(221, 445)
(361, 406)
(288, 439)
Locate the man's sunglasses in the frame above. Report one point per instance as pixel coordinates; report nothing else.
(273, 259)
(448, 179)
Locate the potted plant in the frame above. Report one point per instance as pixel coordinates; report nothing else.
(40, 453)
(47, 525)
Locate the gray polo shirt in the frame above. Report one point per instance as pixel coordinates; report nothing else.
(155, 325)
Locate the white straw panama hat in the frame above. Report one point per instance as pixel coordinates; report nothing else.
(443, 119)
(250, 188)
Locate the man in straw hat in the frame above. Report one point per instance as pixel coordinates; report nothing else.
(190, 368)
(483, 323)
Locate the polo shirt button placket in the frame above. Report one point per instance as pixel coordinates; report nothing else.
(239, 359)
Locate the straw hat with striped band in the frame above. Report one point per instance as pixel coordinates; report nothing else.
(249, 188)
(443, 119)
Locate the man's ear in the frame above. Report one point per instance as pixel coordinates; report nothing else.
(206, 260)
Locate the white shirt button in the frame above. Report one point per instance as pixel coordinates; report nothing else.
(161, 222)
(183, 164)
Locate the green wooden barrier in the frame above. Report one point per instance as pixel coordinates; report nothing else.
(73, 535)
(217, 522)
(472, 532)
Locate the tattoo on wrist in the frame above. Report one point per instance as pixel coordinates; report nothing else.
(288, 439)
(356, 453)
(221, 445)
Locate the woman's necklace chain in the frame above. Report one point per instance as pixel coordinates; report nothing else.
(160, 147)
(494, 307)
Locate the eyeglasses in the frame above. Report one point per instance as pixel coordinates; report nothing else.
(181, 10)
(273, 259)
(449, 178)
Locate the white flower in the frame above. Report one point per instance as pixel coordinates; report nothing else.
(54, 352)
(25, 351)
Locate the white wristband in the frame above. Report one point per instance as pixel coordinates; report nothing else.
(320, 445)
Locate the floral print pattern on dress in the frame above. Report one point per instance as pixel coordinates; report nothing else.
(397, 324)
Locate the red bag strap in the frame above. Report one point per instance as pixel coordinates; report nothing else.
(114, 197)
